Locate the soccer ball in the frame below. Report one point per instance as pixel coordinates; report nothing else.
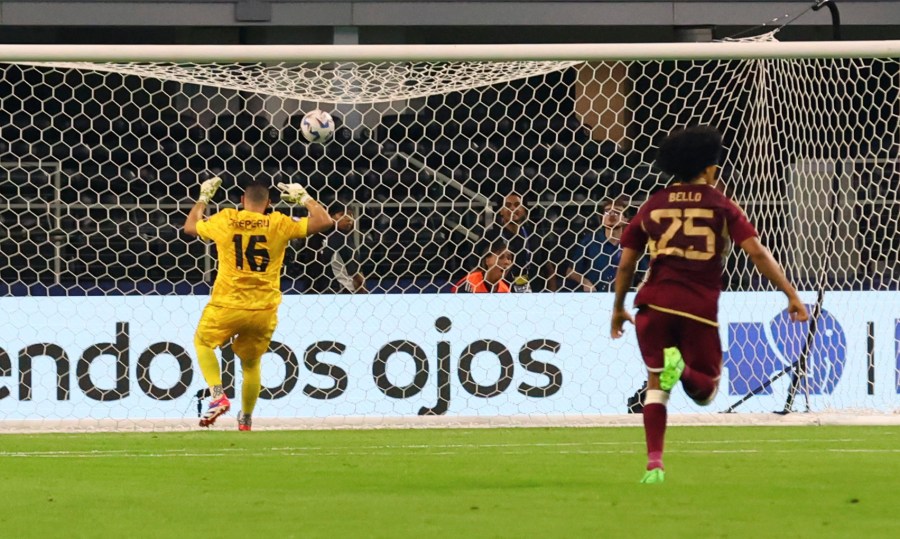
(317, 126)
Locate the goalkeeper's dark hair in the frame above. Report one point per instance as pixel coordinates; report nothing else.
(686, 153)
(257, 192)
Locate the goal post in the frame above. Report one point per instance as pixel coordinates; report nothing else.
(103, 149)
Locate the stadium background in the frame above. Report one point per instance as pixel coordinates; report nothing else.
(803, 481)
(103, 166)
(440, 21)
(235, 134)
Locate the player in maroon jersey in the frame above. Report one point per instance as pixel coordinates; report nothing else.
(688, 227)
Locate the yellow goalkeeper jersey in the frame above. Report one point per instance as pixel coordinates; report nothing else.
(251, 250)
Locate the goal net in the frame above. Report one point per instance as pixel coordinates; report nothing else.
(437, 151)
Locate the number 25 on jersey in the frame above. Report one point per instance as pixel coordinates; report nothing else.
(679, 237)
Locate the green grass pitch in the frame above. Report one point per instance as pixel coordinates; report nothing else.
(455, 483)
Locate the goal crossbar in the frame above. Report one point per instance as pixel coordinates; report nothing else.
(508, 52)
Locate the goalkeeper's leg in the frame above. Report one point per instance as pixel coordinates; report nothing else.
(250, 370)
(250, 346)
(212, 331)
(215, 328)
(209, 366)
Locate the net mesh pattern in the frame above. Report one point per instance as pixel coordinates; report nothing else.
(336, 82)
(101, 162)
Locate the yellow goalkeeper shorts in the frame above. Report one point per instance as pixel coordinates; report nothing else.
(252, 330)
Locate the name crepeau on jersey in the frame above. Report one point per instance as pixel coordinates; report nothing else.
(248, 224)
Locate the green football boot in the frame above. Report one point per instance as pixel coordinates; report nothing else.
(656, 475)
(673, 366)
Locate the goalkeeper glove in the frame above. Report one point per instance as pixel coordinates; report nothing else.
(208, 189)
(294, 193)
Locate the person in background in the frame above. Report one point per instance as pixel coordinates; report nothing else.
(488, 277)
(511, 227)
(595, 259)
(337, 268)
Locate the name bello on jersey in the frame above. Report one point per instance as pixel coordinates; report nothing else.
(397, 350)
(681, 196)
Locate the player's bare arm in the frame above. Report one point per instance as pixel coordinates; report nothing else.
(764, 261)
(318, 219)
(196, 213)
(624, 279)
(207, 190)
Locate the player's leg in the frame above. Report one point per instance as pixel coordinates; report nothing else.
(213, 331)
(703, 361)
(673, 367)
(210, 335)
(654, 334)
(249, 346)
(250, 352)
(251, 371)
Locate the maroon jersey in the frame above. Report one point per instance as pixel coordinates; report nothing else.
(688, 229)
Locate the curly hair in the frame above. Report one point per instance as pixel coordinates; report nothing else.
(686, 153)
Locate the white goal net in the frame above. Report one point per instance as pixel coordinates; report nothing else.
(102, 152)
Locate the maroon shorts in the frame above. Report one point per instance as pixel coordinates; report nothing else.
(698, 342)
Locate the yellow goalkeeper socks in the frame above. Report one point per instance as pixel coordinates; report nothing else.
(251, 371)
(209, 365)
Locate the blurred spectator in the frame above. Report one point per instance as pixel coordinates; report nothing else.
(596, 257)
(488, 277)
(556, 246)
(334, 266)
(512, 228)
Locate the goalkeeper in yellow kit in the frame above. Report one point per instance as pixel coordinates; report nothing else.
(246, 294)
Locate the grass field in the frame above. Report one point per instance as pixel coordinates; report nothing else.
(561, 482)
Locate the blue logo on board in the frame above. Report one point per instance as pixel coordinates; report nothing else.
(754, 355)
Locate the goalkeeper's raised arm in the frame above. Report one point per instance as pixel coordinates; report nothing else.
(319, 219)
(207, 191)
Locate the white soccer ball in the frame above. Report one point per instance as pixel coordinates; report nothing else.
(317, 126)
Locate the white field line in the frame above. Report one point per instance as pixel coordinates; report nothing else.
(429, 454)
(76, 426)
(564, 448)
